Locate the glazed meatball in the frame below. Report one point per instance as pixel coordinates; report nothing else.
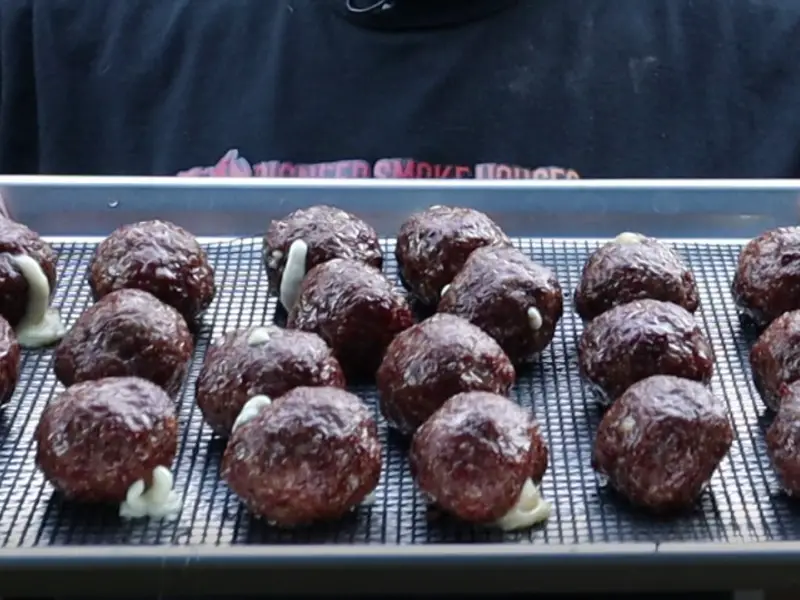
(633, 267)
(642, 338)
(267, 361)
(661, 441)
(355, 309)
(323, 233)
(10, 353)
(767, 279)
(126, 333)
(98, 438)
(312, 455)
(515, 300)
(783, 439)
(480, 457)
(434, 244)
(157, 257)
(775, 357)
(434, 360)
(17, 239)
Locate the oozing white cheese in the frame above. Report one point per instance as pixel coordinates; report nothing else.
(529, 510)
(41, 325)
(293, 274)
(159, 501)
(535, 318)
(626, 237)
(251, 409)
(258, 336)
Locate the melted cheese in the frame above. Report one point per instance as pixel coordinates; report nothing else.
(251, 409)
(258, 336)
(41, 325)
(159, 501)
(529, 510)
(626, 238)
(535, 318)
(293, 274)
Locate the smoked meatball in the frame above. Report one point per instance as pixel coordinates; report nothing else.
(97, 438)
(767, 279)
(515, 300)
(642, 338)
(661, 441)
(312, 455)
(157, 257)
(9, 362)
(775, 358)
(15, 239)
(436, 359)
(126, 333)
(474, 456)
(327, 232)
(633, 267)
(355, 309)
(783, 440)
(434, 244)
(266, 361)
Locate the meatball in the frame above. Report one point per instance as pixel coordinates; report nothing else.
(267, 361)
(661, 441)
(9, 362)
(311, 455)
(355, 309)
(642, 338)
(126, 333)
(434, 244)
(17, 239)
(775, 357)
(480, 457)
(98, 438)
(783, 439)
(767, 279)
(436, 359)
(633, 267)
(157, 257)
(309, 237)
(515, 300)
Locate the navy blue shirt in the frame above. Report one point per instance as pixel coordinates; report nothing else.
(423, 88)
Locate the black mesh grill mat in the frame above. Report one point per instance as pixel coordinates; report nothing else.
(744, 502)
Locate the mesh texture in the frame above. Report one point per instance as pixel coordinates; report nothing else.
(744, 501)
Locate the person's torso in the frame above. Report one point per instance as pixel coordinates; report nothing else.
(538, 89)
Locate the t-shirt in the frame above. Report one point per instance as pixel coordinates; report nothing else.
(413, 88)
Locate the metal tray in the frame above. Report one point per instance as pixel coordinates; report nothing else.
(740, 536)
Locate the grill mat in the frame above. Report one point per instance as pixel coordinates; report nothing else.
(744, 501)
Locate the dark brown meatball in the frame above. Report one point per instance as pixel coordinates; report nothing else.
(642, 338)
(9, 362)
(775, 357)
(633, 267)
(783, 439)
(515, 300)
(312, 455)
(436, 359)
(355, 309)
(661, 441)
(434, 244)
(328, 232)
(474, 455)
(157, 257)
(16, 238)
(767, 279)
(126, 333)
(266, 361)
(98, 438)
